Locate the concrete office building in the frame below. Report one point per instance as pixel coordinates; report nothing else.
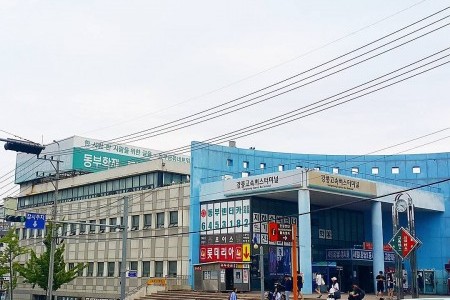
(158, 222)
(252, 187)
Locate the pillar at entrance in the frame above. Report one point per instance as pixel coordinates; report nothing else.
(304, 239)
(377, 236)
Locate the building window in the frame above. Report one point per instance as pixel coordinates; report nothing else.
(92, 227)
(262, 166)
(71, 266)
(147, 221)
(73, 229)
(416, 170)
(160, 220)
(245, 164)
(355, 170)
(172, 269)
(173, 216)
(133, 265)
(280, 168)
(80, 272)
(229, 162)
(145, 269)
(335, 170)
(64, 229)
(158, 269)
(112, 221)
(90, 269)
(375, 170)
(100, 269)
(395, 170)
(83, 228)
(135, 222)
(245, 174)
(111, 266)
(122, 224)
(102, 227)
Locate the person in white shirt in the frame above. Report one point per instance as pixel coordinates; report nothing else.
(319, 283)
(334, 288)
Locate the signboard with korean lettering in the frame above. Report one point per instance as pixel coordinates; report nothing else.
(35, 221)
(210, 218)
(341, 184)
(260, 183)
(356, 254)
(223, 217)
(238, 216)
(246, 215)
(231, 217)
(203, 219)
(403, 243)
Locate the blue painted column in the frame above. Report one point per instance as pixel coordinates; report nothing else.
(304, 239)
(377, 236)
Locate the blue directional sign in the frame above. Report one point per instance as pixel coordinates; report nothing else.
(132, 273)
(35, 221)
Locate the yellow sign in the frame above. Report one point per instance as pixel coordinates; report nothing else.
(246, 252)
(156, 281)
(342, 184)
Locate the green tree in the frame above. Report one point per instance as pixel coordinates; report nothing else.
(35, 270)
(11, 251)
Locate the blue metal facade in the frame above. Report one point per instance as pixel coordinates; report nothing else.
(209, 163)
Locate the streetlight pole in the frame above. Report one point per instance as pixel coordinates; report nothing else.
(123, 271)
(261, 267)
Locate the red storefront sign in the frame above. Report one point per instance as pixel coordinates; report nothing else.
(369, 246)
(273, 231)
(221, 253)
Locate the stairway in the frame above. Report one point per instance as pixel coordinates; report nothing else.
(192, 295)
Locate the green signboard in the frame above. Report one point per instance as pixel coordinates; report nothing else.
(93, 161)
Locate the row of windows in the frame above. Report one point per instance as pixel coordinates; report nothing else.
(106, 188)
(112, 269)
(335, 170)
(138, 222)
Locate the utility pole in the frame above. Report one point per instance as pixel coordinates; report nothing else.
(53, 231)
(123, 271)
(10, 275)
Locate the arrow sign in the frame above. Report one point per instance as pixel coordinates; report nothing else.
(246, 251)
(403, 243)
(35, 221)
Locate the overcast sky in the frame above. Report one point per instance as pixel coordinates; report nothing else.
(103, 69)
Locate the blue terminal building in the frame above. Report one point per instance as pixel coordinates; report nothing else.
(342, 206)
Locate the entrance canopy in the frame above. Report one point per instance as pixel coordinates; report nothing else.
(325, 190)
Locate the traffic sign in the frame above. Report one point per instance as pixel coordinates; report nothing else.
(35, 221)
(403, 243)
(132, 273)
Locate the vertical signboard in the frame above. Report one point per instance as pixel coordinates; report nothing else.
(238, 216)
(203, 218)
(231, 217)
(246, 215)
(223, 217)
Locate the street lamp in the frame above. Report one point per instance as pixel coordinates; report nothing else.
(261, 267)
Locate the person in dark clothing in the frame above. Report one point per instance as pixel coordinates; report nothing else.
(380, 283)
(300, 281)
(288, 286)
(356, 294)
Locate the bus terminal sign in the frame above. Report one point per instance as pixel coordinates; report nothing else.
(403, 243)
